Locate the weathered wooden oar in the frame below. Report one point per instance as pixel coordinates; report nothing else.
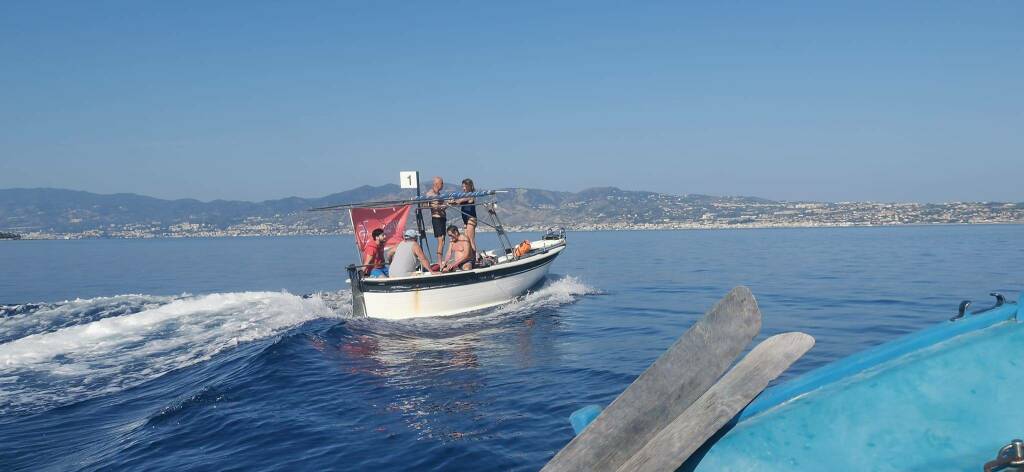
(674, 444)
(679, 377)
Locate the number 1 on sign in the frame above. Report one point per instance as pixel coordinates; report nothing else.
(409, 179)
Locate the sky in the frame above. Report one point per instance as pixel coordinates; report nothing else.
(826, 101)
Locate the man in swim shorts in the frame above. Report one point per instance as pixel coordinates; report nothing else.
(438, 217)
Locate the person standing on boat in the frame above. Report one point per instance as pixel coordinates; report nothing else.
(460, 254)
(405, 255)
(467, 207)
(438, 217)
(373, 254)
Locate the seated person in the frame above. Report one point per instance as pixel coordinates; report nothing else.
(405, 255)
(460, 253)
(373, 254)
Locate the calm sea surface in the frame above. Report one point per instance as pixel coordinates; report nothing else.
(203, 354)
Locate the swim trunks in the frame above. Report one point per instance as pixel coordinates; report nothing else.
(439, 226)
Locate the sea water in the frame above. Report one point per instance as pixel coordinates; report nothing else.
(241, 353)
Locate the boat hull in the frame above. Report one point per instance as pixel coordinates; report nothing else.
(943, 399)
(451, 294)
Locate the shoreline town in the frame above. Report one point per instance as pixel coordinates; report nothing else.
(241, 231)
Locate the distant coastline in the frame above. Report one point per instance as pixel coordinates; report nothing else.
(69, 214)
(515, 229)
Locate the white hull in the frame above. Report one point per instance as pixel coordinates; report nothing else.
(459, 292)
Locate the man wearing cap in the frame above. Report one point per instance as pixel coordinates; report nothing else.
(403, 259)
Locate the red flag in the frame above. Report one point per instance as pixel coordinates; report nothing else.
(391, 220)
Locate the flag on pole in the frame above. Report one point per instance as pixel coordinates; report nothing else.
(391, 220)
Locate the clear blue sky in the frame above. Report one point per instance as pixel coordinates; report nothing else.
(884, 101)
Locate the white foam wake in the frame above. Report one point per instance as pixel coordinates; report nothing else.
(554, 292)
(18, 321)
(113, 353)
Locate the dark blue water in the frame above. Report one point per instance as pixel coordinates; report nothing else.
(202, 354)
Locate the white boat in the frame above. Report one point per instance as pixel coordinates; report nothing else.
(506, 276)
(425, 294)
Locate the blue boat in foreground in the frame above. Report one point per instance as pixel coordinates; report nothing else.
(945, 398)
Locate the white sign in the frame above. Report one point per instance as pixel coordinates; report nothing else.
(409, 179)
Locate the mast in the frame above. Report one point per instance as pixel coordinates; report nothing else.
(423, 242)
(352, 221)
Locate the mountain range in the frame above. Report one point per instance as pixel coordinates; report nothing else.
(48, 211)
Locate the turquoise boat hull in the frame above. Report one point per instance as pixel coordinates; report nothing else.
(945, 398)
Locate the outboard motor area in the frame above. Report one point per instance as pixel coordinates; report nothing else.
(554, 234)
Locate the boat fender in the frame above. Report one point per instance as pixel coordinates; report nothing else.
(584, 416)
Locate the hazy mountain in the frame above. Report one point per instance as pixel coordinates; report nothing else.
(59, 210)
(55, 211)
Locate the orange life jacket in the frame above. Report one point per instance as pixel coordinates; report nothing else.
(521, 249)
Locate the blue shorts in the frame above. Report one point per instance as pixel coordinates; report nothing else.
(383, 272)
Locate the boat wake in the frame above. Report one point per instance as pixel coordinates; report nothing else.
(58, 354)
(555, 291)
(18, 321)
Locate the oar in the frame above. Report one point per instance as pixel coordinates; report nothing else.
(674, 444)
(680, 376)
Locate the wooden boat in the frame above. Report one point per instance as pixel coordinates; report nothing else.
(506, 275)
(424, 294)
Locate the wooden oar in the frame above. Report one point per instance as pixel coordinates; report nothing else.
(674, 444)
(679, 377)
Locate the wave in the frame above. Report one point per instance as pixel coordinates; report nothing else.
(554, 292)
(55, 354)
(62, 359)
(18, 321)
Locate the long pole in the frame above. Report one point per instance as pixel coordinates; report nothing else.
(419, 220)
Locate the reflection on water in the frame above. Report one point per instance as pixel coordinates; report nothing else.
(437, 372)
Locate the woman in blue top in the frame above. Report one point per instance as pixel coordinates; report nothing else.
(468, 211)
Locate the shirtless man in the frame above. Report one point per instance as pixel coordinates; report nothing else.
(460, 254)
(438, 217)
